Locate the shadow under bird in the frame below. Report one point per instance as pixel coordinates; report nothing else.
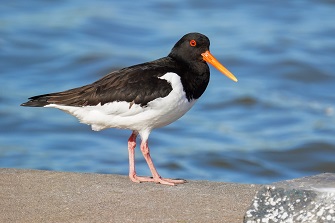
(142, 97)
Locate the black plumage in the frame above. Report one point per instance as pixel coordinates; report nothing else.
(140, 83)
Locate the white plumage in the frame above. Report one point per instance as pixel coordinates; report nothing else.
(157, 113)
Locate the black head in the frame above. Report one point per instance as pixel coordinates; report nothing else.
(193, 50)
(190, 47)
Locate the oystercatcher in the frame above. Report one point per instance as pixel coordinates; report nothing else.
(142, 97)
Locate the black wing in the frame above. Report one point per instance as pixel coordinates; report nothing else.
(137, 84)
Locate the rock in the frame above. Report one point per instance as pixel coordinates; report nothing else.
(307, 199)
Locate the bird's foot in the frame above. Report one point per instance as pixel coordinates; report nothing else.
(168, 181)
(158, 180)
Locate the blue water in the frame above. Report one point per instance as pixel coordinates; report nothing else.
(276, 123)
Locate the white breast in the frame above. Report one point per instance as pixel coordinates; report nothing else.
(157, 113)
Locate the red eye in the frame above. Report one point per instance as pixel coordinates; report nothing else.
(193, 42)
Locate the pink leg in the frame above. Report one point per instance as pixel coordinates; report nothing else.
(155, 176)
(146, 153)
(131, 151)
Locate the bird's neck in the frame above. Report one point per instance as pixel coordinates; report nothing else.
(194, 77)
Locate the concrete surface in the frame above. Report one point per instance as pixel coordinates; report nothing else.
(307, 199)
(47, 196)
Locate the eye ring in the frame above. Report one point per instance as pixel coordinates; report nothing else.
(193, 42)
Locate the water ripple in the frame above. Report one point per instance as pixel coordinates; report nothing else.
(276, 123)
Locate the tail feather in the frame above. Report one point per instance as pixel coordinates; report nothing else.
(73, 97)
(37, 101)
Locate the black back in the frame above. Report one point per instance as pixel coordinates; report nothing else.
(141, 84)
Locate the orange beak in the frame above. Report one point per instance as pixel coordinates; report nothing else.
(209, 58)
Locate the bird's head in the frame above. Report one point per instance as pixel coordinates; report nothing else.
(194, 47)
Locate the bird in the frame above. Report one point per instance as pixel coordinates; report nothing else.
(142, 97)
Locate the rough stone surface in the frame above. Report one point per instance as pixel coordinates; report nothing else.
(308, 199)
(47, 196)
